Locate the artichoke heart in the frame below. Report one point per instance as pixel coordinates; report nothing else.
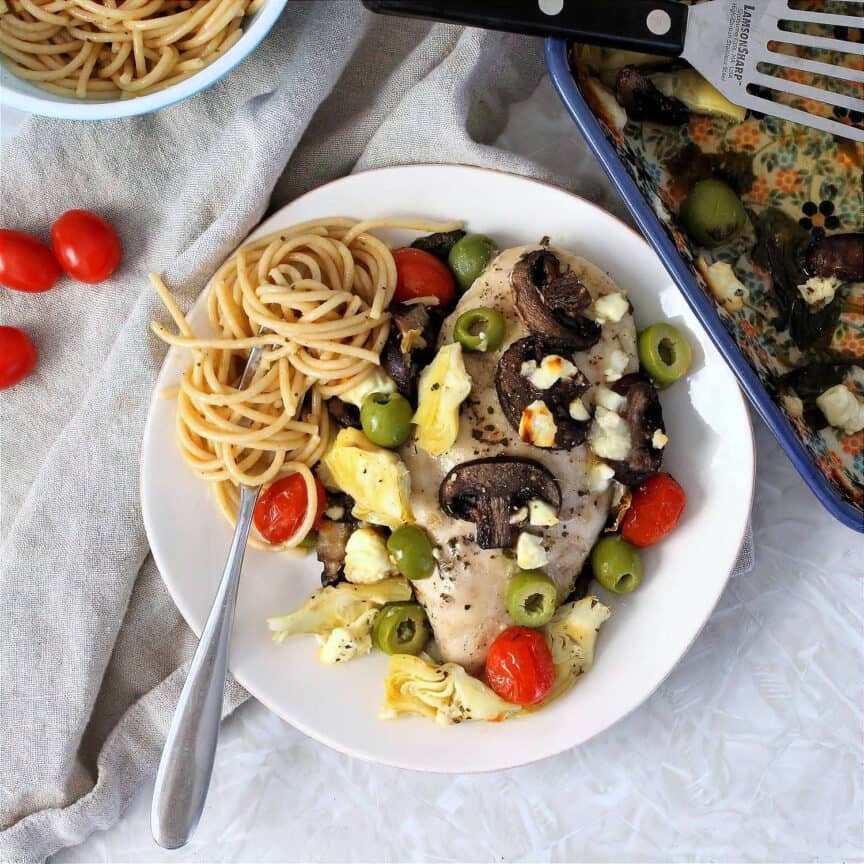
(444, 385)
(341, 616)
(700, 96)
(607, 61)
(571, 635)
(375, 478)
(445, 693)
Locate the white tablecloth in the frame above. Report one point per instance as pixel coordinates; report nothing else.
(751, 750)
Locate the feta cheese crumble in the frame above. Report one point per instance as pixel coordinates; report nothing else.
(542, 515)
(842, 409)
(609, 437)
(552, 368)
(530, 553)
(611, 307)
(819, 291)
(537, 426)
(578, 411)
(659, 439)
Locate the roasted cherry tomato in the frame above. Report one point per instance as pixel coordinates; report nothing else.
(26, 263)
(280, 510)
(17, 356)
(655, 510)
(421, 274)
(86, 245)
(519, 666)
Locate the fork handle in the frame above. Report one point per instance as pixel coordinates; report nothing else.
(655, 26)
(187, 760)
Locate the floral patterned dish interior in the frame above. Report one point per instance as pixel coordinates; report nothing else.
(802, 333)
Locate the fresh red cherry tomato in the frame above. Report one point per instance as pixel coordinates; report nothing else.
(280, 510)
(86, 245)
(655, 510)
(17, 356)
(26, 263)
(519, 666)
(421, 274)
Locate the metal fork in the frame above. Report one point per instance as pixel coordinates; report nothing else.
(184, 771)
(727, 41)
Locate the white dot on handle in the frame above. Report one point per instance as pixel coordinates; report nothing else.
(551, 7)
(659, 22)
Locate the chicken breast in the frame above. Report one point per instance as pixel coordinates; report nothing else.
(466, 597)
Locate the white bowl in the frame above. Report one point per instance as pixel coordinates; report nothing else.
(710, 452)
(26, 96)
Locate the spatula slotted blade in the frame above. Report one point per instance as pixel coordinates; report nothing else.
(731, 42)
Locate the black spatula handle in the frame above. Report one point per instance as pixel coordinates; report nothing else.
(638, 25)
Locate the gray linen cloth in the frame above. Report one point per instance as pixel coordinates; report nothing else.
(93, 652)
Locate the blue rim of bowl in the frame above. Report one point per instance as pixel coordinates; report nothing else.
(117, 109)
(559, 70)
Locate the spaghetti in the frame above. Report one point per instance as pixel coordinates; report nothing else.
(116, 48)
(314, 297)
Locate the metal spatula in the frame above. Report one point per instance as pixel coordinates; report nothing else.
(730, 42)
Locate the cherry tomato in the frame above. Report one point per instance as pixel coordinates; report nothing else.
(655, 510)
(519, 666)
(280, 510)
(26, 263)
(17, 356)
(86, 245)
(421, 274)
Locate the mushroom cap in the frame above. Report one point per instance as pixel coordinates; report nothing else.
(644, 417)
(552, 305)
(488, 491)
(404, 366)
(642, 100)
(840, 255)
(516, 392)
(346, 415)
(330, 548)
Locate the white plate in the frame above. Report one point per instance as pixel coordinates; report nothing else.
(710, 452)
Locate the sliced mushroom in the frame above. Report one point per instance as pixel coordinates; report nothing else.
(439, 244)
(406, 349)
(644, 417)
(551, 304)
(516, 392)
(345, 414)
(488, 491)
(642, 100)
(333, 536)
(840, 255)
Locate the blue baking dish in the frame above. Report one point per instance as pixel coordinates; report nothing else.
(700, 302)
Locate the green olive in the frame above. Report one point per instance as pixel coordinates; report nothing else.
(664, 353)
(480, 329)
(531, 598)
(386, 419)
(401, 628)
(712, 213)
(469, 258)
(616, 564)
(411, 551)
